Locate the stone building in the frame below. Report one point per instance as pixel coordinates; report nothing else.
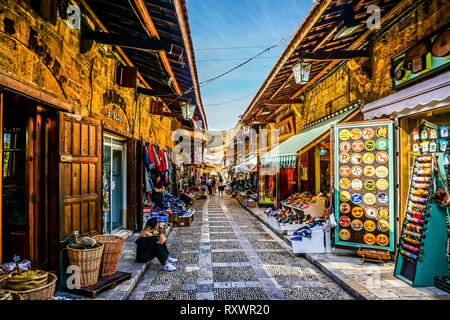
(84, 86)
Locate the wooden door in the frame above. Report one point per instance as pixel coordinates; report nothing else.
(80, 167)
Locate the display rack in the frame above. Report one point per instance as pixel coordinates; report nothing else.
(422, 249)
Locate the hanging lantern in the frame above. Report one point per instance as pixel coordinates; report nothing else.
(188, 110)
(301, 72)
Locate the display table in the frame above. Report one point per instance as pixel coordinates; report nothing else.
(315, 209)
(320, 242)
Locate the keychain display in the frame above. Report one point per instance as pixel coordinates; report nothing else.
(421, 242)
(368, 189)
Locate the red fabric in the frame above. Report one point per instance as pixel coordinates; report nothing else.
(151, 154)
(162, 161)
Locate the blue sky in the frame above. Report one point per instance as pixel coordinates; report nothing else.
(238, 23)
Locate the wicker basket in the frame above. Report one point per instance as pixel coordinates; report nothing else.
(43, 293)
(111, 253)
(89, 262)
(37, 280)
(16, 296)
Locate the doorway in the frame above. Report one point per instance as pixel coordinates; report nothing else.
(29, 175)
(114, 183)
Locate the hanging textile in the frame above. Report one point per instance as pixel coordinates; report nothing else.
(148, 162)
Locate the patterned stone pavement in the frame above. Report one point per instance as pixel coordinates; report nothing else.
(228, 254)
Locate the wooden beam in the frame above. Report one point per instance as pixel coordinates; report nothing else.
(282, 101)
(126, 40)
(302, 31)
(103, 28)
(154, 34)
(333, 54)
(397, 10)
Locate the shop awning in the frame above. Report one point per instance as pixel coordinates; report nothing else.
(430, 94)
(285, 154)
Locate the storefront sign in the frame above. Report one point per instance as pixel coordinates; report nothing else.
(430, 54)
(364, 198)
(286, 128)
(114, 106)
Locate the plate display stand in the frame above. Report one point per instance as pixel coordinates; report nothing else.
(423, 256)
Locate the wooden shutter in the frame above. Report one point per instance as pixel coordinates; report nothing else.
(80, 168)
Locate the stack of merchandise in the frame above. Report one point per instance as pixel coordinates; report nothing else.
(251, 199)
(283, 216)
(311, 223)
(303, 200)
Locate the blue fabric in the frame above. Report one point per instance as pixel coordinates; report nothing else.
(147, 161)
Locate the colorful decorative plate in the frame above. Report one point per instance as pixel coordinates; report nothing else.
(369, 198)
(344, 134)
(369, 145)
(382, 184)
(382, 172)
(355, 134)
(356, 198)
(356, 184)
(344, 208)
(344, 234)
(369, 185)
(383, 213)
(382, 132)
(344, 221)
(370, 212)
(344, 171)
(356, 171)
(368, 133)
(344, 157)
(357, 212)
(345, 146)
(382, 240)
(382, 157)
(382, 144)
(369, 226)
(356, 158)
(368, 158)
(357, 225)
(383, 225)
(369, 238)
(344, 183)
(357, 146)
(369, 171)
(344, 196)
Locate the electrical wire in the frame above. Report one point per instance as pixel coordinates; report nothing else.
(231, 101)
(230, 59)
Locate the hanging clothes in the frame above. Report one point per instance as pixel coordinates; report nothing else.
(148, 162)
(161, 158)
(155, 155)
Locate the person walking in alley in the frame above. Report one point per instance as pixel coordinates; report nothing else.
(221, 185)
(151, 243)
(213, 185)
(209, 184)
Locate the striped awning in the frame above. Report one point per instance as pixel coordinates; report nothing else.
(285, 154)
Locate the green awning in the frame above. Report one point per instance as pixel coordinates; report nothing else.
(285, 154)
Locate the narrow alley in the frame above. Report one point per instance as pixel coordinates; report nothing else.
(227, 254)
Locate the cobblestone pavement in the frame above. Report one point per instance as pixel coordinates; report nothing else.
(228, 254)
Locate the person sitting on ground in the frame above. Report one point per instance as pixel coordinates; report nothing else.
(151, 243)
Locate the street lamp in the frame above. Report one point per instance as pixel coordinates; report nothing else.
(301, 72)
(188, 110)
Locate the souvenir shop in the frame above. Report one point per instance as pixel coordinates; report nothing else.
(159, 174)
(422, 113)
(300, 171)
(245, 185)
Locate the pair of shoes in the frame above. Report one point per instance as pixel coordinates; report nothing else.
(169, 267)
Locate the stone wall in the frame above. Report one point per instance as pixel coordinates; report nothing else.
(48, 57)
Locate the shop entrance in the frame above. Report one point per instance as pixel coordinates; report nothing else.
(114, 183)
(29, 176)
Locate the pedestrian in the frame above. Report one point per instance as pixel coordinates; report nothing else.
(158, 193)
(213, 185)
(221, 185)
(209, 184)
(151, 243)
